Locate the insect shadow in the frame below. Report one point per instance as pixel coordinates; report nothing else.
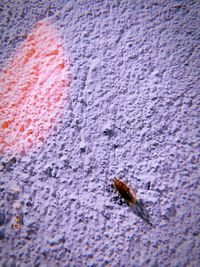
(141, 211)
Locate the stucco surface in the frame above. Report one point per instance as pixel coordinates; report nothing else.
(131, 111)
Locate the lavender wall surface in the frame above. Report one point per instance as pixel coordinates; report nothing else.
(132, 111)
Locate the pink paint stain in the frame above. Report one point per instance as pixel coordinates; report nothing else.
(33, 88)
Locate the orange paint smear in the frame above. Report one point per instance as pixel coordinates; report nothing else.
(32, 89)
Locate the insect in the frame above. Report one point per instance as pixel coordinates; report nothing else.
(129, 196)
(125, 191)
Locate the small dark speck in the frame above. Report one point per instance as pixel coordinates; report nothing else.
(13, 160)
(10, 163)
(50, 13)
(148, 185)
(68, 250)
(2, 218)
(2, 235)
(28, 204)
(195, 233)
(107, 215)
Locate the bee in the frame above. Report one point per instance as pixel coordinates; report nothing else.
(125, 191)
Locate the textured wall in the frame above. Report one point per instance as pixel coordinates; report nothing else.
(130, 110)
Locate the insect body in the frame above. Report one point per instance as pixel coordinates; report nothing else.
(125, 191)
(130, 198)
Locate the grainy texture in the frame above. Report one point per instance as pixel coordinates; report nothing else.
(132, 111)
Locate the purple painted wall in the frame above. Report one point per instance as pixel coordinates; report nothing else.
(131, 111)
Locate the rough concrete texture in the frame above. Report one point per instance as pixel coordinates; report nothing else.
(132, 111)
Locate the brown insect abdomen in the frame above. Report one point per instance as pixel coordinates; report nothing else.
(124, 191)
